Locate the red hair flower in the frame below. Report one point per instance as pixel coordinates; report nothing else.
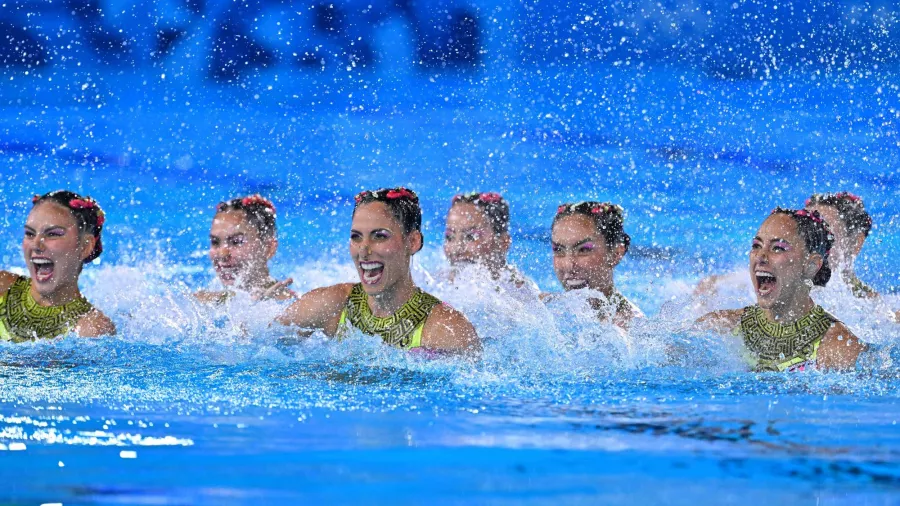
(258, 199)
(562, 208)
(85, 203)
(490, 198)
(400, 193)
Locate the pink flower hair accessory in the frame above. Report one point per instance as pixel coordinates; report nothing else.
(257, 199)
(400, 193)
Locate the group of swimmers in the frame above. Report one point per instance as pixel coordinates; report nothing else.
(793, 251)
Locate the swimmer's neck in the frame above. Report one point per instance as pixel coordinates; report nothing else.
(605, 286)
(497, 268)
(390, 300)
(787, 314)
(61, 296)
(256, 282)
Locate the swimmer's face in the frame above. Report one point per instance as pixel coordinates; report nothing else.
(379, 249)
(469, 238)
(581, 257)
(780, 267)
(54, 249)
(238, 253)
(846, 245)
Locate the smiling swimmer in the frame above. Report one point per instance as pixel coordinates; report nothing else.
(384, 235)
(62, 234)
(477, 233)
(589, 241)
(242, 240)
(785, 329)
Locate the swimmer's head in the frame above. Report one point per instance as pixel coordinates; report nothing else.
(258, 211)
(402, 202)
(788, 256)
(89, 217)
(848, 220)
(384, 235)
(478, 230)
(62, 233)
(242, 240)
(589, 241)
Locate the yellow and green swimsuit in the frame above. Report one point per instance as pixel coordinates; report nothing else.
(23, 319)
(777, 347)
(402, 329)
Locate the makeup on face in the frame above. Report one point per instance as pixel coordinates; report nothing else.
(776, 266)
(377, 247)
(52, 249)
(236, 250)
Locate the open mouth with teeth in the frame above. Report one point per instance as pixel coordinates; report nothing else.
(765, 282)
(371, 272)
(574, 283)
(43, 269)
(227, 272)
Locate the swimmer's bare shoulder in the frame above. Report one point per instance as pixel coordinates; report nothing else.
(319, 309)
(6, 280)
(723, 321)
(95, 324)
(839, 349)
(448, 330)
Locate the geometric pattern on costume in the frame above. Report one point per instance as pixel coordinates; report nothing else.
(26, 320)
(395, 330)
(778, 347)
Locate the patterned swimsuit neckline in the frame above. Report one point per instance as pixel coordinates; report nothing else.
(775, 344)
(396, 329)
(28, 320)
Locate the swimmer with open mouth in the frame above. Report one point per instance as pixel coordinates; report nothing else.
(62, 234)
(786, 329)
(385, 233)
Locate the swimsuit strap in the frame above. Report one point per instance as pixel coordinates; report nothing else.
(26, 320)
(776, 344)
(401, 328)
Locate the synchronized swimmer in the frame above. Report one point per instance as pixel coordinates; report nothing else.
(785, 330)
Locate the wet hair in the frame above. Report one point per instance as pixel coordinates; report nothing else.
(850, 209)
(609, 220)
(89, 217)
(260, 212)
(402, 202)
(817, 236)
(493, 205)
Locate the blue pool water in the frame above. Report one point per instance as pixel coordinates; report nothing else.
(192, 406)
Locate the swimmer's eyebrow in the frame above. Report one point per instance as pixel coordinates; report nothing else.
(577, 244)
(48, 227)
(353, 230)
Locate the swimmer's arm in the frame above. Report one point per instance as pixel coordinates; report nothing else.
(279, 291)
(209, 297)
(448, 330)
(95, 324)
(722, 322)
(708, 286)
(319, 309)
(839, 349)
